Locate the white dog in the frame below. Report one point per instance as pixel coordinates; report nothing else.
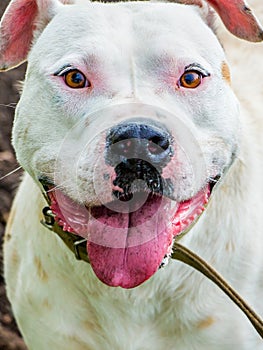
(126, 121)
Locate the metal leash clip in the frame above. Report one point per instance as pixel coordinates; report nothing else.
(49, 218)
(77, 246)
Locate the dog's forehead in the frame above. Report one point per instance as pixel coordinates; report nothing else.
(150, 27)
(129, 15)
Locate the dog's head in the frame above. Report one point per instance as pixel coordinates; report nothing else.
(127, 115)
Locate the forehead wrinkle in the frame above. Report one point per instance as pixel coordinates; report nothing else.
(170, 62)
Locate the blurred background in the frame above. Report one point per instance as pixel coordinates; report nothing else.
(9, 336)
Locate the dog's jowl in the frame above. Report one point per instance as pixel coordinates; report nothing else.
(135, 118)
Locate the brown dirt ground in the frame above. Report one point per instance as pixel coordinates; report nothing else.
(10, 338)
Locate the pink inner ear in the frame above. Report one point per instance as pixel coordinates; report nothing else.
(16, 32)
(238, 18)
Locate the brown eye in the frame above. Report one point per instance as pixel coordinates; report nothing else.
(76, 80)
(191, 79)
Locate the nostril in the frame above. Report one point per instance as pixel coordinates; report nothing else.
(153, 148)
(158, 144)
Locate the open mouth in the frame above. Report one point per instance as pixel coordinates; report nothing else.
(128, 241)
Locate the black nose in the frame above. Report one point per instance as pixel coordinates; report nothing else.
(135, 140)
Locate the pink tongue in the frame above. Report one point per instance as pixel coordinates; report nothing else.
(125, 249)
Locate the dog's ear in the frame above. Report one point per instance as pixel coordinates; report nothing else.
(237, 17)
(22, 21)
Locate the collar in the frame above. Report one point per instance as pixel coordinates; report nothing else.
(78, 246)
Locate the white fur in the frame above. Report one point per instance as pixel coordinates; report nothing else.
(58, 302)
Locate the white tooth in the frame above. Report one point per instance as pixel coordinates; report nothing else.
(174, 204)
(199, 211)
(164, 261)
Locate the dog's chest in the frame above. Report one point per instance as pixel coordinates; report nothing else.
(119, 320)
(106, 321)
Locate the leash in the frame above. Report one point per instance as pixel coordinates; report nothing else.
(185, 255)
(181, 253)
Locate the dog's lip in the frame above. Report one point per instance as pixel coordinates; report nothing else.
(184, 217)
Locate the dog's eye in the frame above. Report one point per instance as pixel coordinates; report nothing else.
(75, 79)
(191, 79)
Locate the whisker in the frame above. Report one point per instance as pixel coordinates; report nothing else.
(10, 173)
(60, 186)
(212, 180)
(10, 105)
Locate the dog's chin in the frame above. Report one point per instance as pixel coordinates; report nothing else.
(127, 241)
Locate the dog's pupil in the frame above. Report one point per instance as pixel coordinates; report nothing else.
(77, 78)
(190, 78)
